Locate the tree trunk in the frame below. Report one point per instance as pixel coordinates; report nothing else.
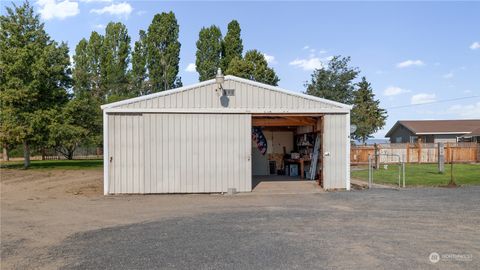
(5, 153)
(26, 155)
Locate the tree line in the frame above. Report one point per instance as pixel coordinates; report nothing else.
(215, 51)
(48, 102)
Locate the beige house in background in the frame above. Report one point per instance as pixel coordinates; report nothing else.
(434, 131)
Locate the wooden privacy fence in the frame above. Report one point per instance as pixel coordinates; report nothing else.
(416, 153)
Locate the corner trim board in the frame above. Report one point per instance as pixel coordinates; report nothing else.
(106, 164)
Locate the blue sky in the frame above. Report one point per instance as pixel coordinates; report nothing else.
(412, 53)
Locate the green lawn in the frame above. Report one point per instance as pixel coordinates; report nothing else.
(422, 174)
(56, 164)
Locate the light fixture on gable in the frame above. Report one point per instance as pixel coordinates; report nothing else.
(219, 79)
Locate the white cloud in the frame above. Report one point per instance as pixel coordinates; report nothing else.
(465, 111)
(394, 90)
(409, 63)
(306, 47)
(191, 67)
(423, 98)
(468, 91)
(307, 64)
(99, 26)
(96, 1)
(140, 12)
(270, 58)
(115, 9)
(50, 9)
(448, 75)
(475, 45)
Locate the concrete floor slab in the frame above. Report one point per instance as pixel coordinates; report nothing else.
(280, 184)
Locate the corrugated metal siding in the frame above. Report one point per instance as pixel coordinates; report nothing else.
(336, 142)
(179, 153)
(246, 96)
(125, 146)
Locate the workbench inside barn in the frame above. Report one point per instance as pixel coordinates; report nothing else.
(290, 150)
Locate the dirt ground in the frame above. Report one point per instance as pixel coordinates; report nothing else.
(60, 219)
(40, 208)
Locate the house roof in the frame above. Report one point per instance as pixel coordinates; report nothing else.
(425, 127)
(475, 132)
(227, 78)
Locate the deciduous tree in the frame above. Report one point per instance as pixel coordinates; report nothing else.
(232, 46)
(335, 81)
(34, 75)
(163, 52)
(115, 60)
(209, 52)
(139, 66)
(95, 55)
(78, 122)
(81, 70)
(253, 67)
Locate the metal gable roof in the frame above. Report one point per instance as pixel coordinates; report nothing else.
(227, 78)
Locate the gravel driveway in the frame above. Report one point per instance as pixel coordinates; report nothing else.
(60, 219)
(348, 230)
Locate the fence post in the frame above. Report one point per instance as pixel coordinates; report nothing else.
(369, 171)
(408, 153)
(377, 159)
(419, 153)
(478, 152)
(441, 157)
(448, 159)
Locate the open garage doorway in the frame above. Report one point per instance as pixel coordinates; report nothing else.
(286, 152)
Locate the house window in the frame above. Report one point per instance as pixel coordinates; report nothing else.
(413, 139)
(398, 139)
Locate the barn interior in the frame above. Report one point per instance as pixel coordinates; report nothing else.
(291, 149)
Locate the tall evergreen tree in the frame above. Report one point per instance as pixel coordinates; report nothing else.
(115, 60)
(209, 52)
(254, 67)
(34, 78)
(163, 52)
(139, 66)
(335, 82)
(366, 112)
(232, 44)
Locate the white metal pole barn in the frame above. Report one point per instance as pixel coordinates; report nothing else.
(198, 138)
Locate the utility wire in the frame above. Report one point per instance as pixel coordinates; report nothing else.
(428, 103)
